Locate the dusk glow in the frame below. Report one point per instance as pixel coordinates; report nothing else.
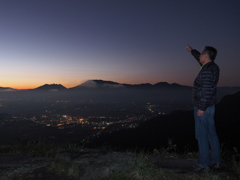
(127, 41)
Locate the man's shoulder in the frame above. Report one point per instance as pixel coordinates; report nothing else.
(212, 66)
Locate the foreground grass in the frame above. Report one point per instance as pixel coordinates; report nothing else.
(142, 169)
(161, 175)
(145, 170)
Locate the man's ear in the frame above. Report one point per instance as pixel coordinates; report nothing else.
(207, 56)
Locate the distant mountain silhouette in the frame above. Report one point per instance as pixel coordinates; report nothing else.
(112, 84)
(109, 91)
(103, 84)
(139, 86)
(51, 87)
(179, 128)
(173, 85)
(162, 90)
(98, 84)
(7, 89)
(169, 96)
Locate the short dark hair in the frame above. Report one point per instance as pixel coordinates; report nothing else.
(211, 51)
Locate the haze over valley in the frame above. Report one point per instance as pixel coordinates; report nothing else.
(87, 111)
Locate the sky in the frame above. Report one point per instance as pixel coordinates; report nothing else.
(127, 41)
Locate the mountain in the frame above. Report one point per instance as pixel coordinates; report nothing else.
(51, 87)
(173, 85)
(112, 90)
(103, 84)
(109, 91)
(7, 89)
(112, 84)
(97, 84)
(177, 129)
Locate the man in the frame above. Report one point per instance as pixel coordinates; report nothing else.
(204, 99)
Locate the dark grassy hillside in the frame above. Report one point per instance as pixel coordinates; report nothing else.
(179, 128)
(155, 133)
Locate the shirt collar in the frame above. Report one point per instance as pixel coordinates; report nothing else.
(205, 64)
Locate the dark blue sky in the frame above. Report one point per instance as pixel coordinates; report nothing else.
(126, 41)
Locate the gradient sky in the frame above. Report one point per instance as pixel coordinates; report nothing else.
(127, 41)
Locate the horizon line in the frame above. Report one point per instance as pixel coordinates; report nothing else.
(30, 88)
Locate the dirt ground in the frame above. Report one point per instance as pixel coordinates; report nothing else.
(174, 164)
(26, 167)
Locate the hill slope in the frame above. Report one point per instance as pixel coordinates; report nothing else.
(178, 128)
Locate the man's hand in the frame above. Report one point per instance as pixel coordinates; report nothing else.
(188, 48)
(200, 113)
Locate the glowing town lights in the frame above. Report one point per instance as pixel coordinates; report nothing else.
(99, 128)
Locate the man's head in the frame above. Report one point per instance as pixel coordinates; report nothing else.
(208, 54)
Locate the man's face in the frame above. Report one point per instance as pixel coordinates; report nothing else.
(203, 58)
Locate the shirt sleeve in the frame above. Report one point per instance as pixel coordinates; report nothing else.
(196, 55)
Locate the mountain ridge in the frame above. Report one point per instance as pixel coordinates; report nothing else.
(98, 83)
(95, 83)
(51, 87)
(7, 89)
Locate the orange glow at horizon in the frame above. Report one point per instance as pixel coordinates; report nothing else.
(21, 84)
(24, 85)
(28, 85)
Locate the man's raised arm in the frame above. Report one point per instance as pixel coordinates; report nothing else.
(189, 48)
(194, 52)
